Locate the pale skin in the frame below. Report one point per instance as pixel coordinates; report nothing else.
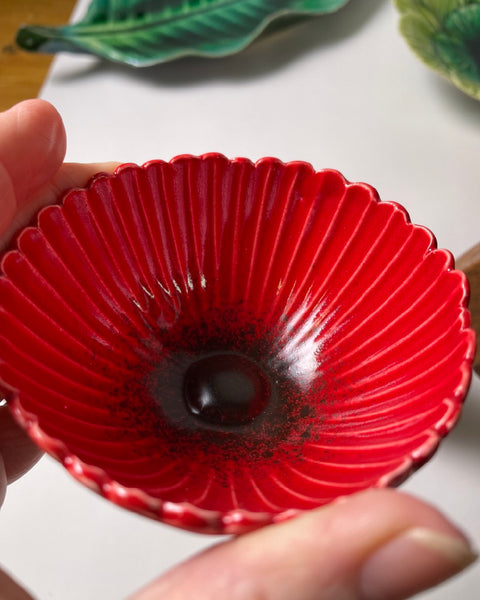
(374, 545)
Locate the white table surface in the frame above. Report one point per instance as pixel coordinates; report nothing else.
(342, 91)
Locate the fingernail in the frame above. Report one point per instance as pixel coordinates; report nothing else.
(414, 561)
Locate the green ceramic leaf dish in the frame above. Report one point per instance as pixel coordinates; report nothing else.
(146, 32)
(445, 34)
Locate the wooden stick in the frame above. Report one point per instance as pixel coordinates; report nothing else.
(469, 263)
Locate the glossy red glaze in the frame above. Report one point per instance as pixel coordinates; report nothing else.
(349, 329)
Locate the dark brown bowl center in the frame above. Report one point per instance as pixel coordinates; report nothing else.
(226, 389)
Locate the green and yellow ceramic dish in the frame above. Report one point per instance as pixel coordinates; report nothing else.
(445, 34)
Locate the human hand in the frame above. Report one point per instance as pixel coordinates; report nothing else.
(376, 545)
(32, 174)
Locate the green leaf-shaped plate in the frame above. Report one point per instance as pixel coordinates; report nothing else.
(445, 34)
(146, 32)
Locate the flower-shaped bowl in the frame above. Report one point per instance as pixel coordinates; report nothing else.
(219, 344)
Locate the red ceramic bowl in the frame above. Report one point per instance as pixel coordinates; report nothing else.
(220, 344)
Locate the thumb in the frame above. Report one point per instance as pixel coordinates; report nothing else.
(32, 147)
(376, 545)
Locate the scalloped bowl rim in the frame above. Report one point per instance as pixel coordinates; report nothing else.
(184, 514)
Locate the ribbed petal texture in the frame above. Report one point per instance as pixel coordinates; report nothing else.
(347, 323)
